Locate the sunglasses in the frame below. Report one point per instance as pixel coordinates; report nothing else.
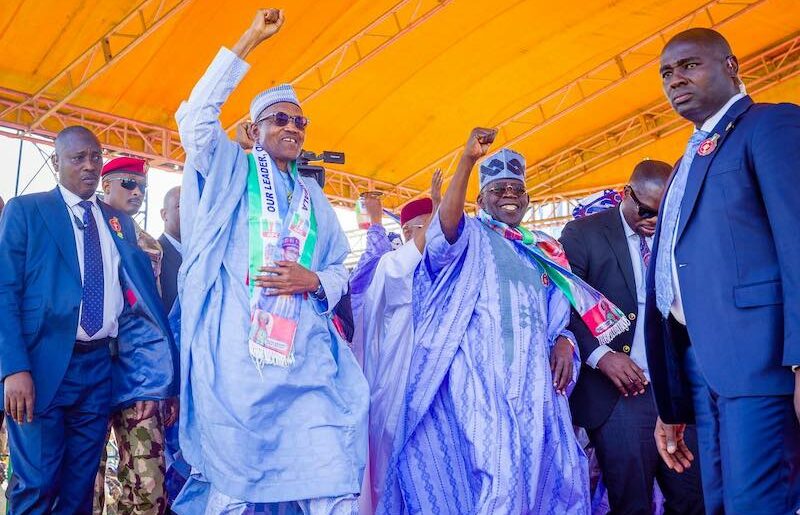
(282, 119)
(500, 189)
(644, 211)
(131, 184)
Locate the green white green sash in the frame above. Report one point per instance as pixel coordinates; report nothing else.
(274, 319)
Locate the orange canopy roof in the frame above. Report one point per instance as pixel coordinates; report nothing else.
(395, 84)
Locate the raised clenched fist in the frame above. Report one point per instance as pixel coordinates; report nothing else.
(266, 23)
(480, 139)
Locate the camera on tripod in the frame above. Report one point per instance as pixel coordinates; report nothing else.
(317, 172)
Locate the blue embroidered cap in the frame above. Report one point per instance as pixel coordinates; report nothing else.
(503, 164)
(280, 93)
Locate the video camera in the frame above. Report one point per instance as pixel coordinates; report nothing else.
(314, 171)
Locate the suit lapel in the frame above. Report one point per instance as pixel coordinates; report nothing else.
(170, 252)
(124, 239)
(701, 164)
(56, 217)
(135, 265)
(615, 234)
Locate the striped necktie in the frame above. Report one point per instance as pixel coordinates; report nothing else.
(644, 251)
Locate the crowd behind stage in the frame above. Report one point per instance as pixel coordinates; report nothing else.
(643, 363)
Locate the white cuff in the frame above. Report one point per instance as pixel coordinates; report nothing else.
(599, 352)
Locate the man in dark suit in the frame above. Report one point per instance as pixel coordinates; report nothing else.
(723, 289)
(81, 322)
(612, 400)
(171, 244)
(177, 468)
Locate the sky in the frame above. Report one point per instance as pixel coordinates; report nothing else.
(37, 175)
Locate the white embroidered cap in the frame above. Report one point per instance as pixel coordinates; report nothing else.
(280, 93)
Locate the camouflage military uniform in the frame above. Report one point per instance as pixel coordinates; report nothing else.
(106, 487)
(140, 443)
(141, 468)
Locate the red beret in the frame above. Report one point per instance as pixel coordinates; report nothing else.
(125, 165)
(415, 208)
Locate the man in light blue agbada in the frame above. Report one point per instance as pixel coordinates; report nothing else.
(485, 426)
(273, 403)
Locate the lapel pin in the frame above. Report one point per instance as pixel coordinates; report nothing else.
(115, 226)
(708, 146)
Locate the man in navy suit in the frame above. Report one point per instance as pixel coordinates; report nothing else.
(723, 289)
(83, 330)
(171, 244)
(177, 469)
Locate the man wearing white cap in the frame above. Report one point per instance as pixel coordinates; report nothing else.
(273, 415)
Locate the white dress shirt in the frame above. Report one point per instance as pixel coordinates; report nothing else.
(677, 303)
(638, 352)
(112, 291)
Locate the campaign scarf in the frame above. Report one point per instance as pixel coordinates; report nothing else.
(596, 203)
(605, 320)
(274, 319)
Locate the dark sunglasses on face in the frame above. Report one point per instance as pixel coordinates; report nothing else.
(644, 211)
(282, 119)
(500, 189)
(131, 184)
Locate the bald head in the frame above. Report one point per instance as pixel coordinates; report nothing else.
(707, 38)
(173, 195)
(643, 193)
(171, 213)
(75, 132)
(650, 174)
(699, 73)
(78, 160)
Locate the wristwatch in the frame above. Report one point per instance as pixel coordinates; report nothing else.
(319, 293)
